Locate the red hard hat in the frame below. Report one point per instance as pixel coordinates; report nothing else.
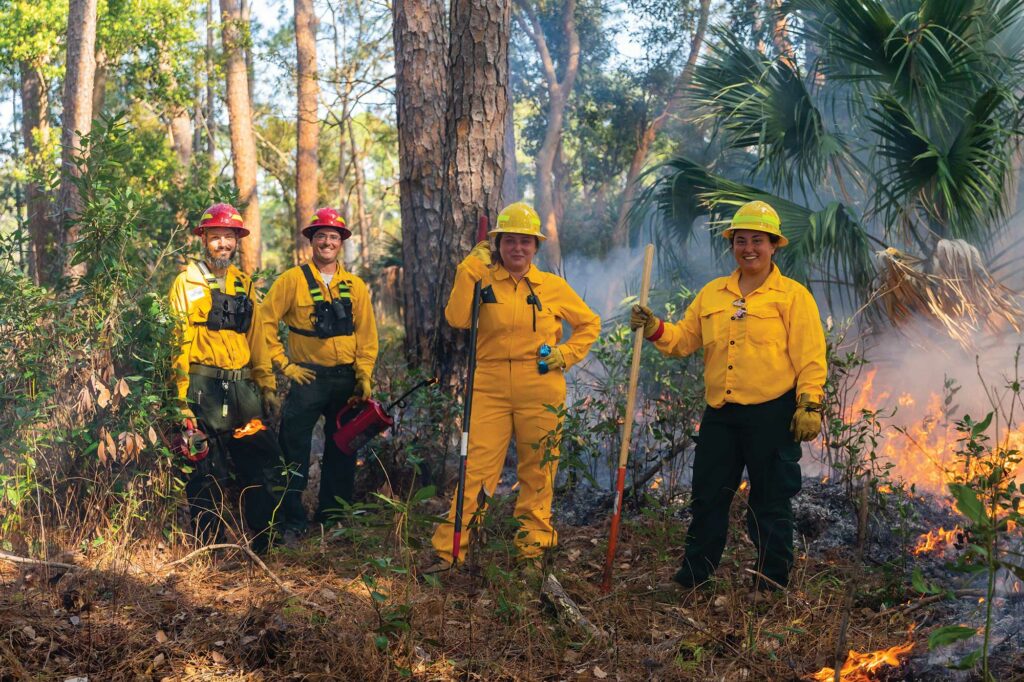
(221, 215)
(326, 217)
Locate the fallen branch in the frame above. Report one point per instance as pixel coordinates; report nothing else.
(252, 557)
(554, 594)
(15, 559)
(920, 603)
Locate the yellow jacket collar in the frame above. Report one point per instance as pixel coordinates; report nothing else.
(535, 275)
(774, 281)
(194, 276)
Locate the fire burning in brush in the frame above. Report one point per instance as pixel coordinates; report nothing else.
(922, 448)
(254, 426)
(861, 667)
(939, 540)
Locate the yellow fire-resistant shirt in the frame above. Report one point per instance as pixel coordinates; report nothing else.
(751, 358)
(190, 302)
(506, 328)
(289, 300)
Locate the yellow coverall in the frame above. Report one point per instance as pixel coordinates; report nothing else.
(509, 393)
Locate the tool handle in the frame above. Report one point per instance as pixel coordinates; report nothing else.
(634, 368)
(467, 407)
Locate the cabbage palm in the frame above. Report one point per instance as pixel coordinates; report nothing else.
(902, 134)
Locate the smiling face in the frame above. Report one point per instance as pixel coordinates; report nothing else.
(753, 252)
(517, 252)
(326, 243)
(220, 245)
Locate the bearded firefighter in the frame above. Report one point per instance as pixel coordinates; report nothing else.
(764, 373)
(519, 385)
(222, 368)
(332, 347)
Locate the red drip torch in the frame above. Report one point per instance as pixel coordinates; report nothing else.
(358, 424)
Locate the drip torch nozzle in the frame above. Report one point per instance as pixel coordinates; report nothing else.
(544, 351)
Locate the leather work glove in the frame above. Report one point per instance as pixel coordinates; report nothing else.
(299, 374)
(806, 424)
(271, 404)
(642, 317)
(555, 359)
(478, 260)
(364, 389)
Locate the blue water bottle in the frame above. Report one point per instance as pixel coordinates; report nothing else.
(544, 351)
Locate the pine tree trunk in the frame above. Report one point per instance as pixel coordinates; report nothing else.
(421, 97)
(99, 83)
(510, 180)
(307, 125)
(79, 77)
(35, 126)
(243, 142)
(475, 142)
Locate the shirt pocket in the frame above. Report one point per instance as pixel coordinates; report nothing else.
(765, 326)
(713, 323)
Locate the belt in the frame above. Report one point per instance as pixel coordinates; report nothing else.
(218, 373)
(328, 371)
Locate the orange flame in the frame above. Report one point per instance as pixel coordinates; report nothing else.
(254, 426)
(921, 439)
(939, 540)
(859, 667)
(743, 485)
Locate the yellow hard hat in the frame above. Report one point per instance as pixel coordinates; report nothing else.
(757, 216)
(518, 218)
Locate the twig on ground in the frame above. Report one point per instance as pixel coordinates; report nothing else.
(904, 609)
(15, 559)
(255, 559)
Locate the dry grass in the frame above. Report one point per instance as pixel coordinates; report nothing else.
(126, 617)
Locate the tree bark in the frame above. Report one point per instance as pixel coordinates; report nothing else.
(474, 142)
(307, 125)
(99, 84)
(559, 90)
(79, 77)
(35, 132)
(621, 234)
(421, 97)
(243, 142)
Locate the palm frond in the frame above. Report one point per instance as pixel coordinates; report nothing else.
(827, 240)
(764, 103)
(958, 189)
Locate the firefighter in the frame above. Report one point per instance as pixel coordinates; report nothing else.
(221, 362)
(764, 372)
(332, 347)
(522, 309)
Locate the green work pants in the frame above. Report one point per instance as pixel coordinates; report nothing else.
(734, 437)
(251, 462)
(305, 404)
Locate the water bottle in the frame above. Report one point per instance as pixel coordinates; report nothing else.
(544, 351)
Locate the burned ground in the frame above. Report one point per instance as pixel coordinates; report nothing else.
(355, 612)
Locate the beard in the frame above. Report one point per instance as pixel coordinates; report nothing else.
(220, 263)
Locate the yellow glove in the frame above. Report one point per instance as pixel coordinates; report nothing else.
(363, 389)
(271, 404)
(806, 424)
(478, 260)
(299, 374)
(642, 317)
(555, 359)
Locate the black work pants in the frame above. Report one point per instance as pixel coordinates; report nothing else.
(305, 404)
(251, 461)
(734, 437)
